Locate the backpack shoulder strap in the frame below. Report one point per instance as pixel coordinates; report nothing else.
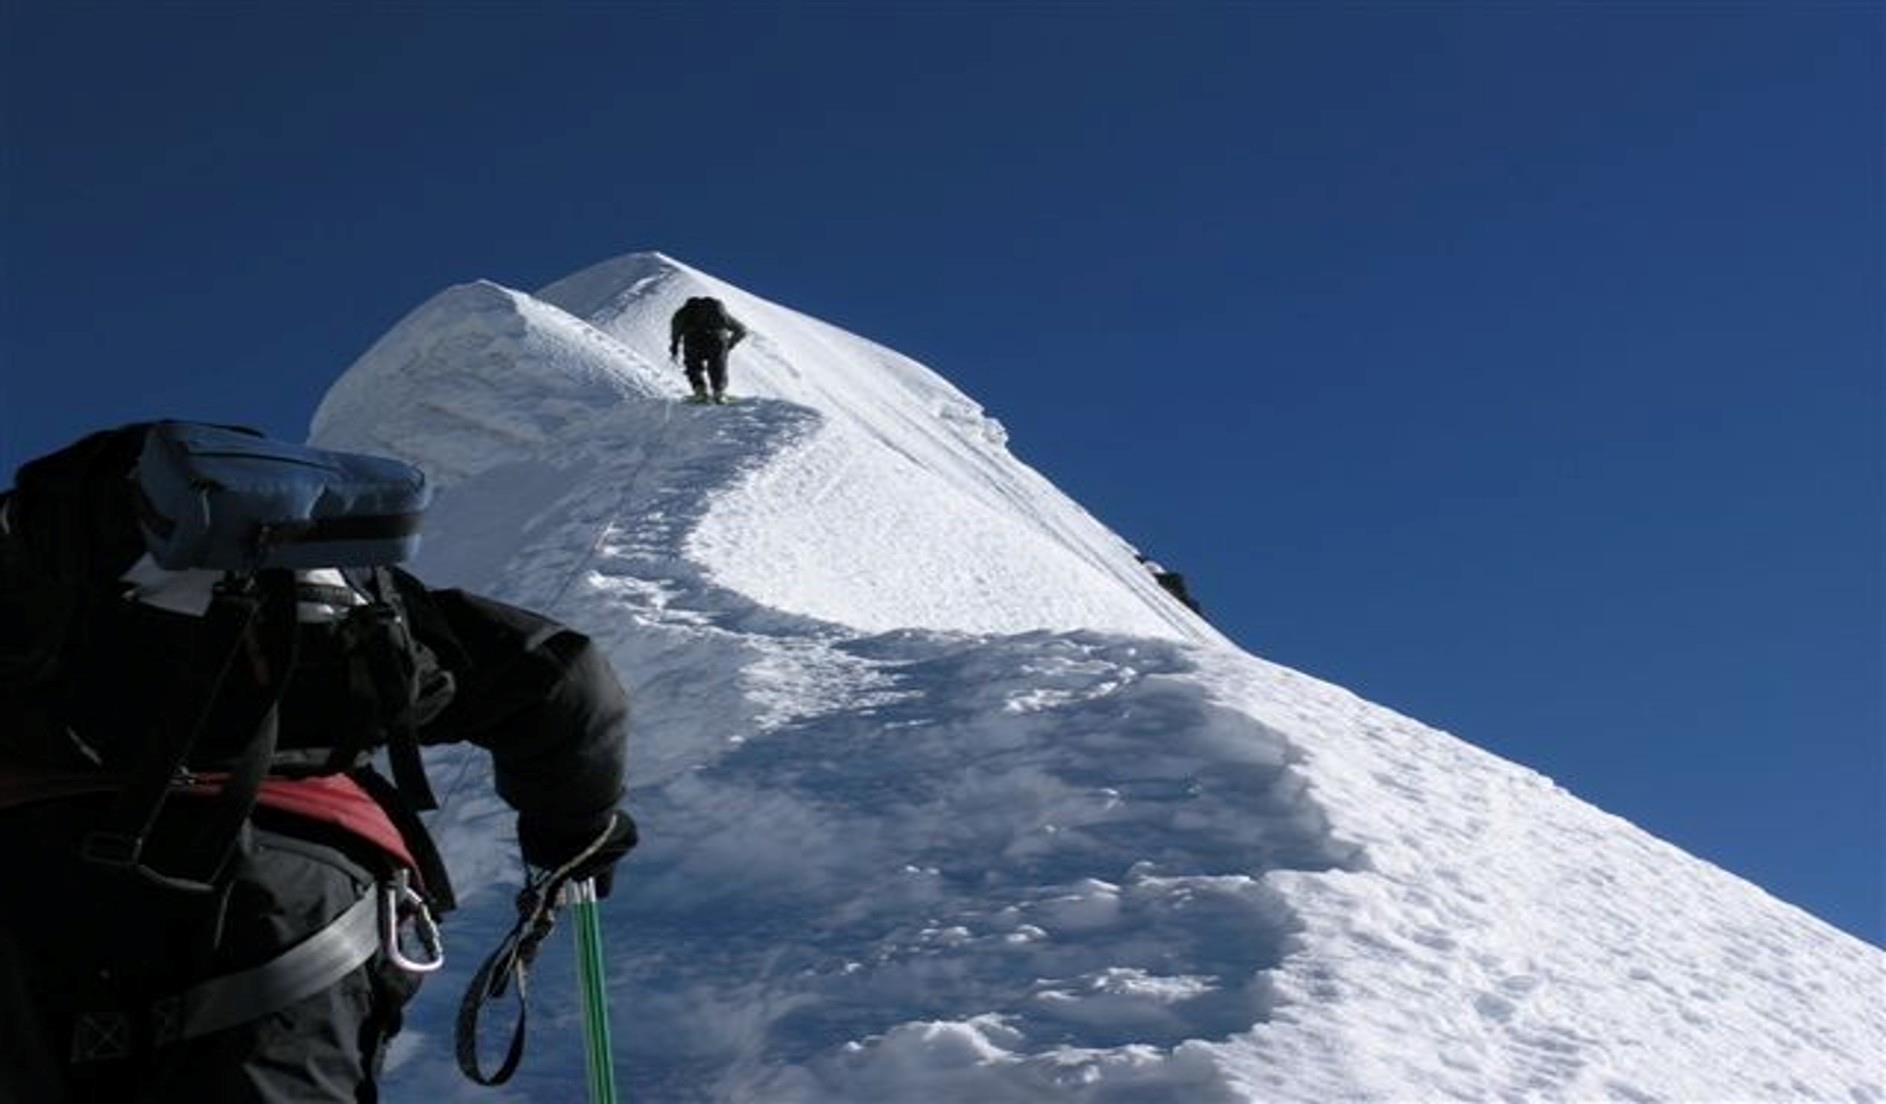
(390, 667)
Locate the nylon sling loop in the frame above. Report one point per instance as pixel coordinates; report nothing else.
(508, 967)
(598, 1056)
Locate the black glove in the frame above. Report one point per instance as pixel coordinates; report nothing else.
(551, 846)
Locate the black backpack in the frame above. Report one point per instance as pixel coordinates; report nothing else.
(93, 679)
(703, 315)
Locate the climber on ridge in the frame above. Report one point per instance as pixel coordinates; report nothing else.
(705, 333)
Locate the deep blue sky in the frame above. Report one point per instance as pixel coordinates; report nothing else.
(1516, 366)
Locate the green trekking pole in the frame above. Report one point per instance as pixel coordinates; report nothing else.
(597, 1056)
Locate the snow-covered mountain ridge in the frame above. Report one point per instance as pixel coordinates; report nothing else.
(946, 800)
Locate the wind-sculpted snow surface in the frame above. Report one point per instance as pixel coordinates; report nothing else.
(1052, 832)
(969, 833)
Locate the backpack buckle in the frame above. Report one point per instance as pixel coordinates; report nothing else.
(113, 849)
(118, 851)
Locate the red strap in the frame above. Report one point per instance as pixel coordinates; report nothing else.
(338, 800)
(330, 799)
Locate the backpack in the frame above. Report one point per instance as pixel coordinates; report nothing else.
(702, 315)
(95, 676)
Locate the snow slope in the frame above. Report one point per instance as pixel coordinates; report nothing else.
(946, 800)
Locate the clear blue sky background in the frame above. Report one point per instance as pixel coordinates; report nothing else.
(1516, 366)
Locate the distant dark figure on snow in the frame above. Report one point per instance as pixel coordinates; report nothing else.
(705, 333)
(1174, 583)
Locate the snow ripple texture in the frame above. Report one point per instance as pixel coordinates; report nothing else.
(945, 801)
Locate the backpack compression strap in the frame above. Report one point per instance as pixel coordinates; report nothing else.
(251, 618)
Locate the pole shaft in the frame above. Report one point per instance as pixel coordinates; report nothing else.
(598, 1058)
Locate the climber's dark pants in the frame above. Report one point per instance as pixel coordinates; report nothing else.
(81, 945)
(705, 359)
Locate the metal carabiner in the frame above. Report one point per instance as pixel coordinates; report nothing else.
(400, 892)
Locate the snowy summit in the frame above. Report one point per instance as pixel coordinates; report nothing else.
(946, 799)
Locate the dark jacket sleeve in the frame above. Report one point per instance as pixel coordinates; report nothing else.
(544, 701)
(739, 331)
